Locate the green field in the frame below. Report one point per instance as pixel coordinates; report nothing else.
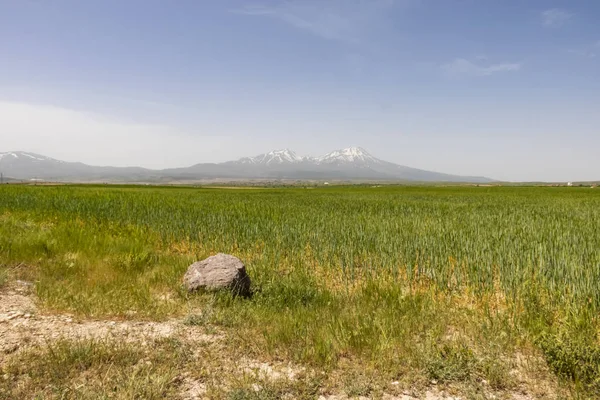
(417, 284)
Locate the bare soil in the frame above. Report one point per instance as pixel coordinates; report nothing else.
(22, 325)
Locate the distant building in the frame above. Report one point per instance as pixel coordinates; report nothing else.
(570, 184)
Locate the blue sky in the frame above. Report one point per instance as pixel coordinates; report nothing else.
(508, 89)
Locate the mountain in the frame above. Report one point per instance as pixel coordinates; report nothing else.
(273, 157)
(25, 165)
(353, 163)
(350, 156)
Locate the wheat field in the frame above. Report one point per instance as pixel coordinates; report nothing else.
(415, 283)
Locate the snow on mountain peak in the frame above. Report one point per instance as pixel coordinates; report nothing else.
(33, 156)
(285, 156)
(8, 154)
(348, 155)
(23, 155)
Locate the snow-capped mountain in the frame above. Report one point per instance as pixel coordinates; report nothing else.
(352, 163)
(273, 157)
(16, 155)
(351, 155)
(25, 165)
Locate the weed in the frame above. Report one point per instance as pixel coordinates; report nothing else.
(195, 320)
(451, 362)
(573, 358)
(3, 275)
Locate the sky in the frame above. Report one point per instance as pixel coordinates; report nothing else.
(508, 89)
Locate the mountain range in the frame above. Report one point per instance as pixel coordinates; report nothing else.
(353, 163)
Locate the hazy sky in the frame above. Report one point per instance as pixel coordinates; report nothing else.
(508, 89)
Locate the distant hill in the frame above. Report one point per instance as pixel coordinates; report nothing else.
(25, 165)
(353, 163)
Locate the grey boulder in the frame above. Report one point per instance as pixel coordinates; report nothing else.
(218, 272)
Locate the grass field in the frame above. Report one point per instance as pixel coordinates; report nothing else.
(451, 285)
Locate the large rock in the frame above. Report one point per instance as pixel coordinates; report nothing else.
(221, 271)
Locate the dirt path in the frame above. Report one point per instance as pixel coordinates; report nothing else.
(22, 325)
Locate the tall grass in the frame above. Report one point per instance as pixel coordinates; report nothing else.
(348, 271)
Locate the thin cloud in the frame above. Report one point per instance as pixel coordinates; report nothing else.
(464, 67)
(337, 20)
(589, 50)
(583, 53)
(555, 17)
